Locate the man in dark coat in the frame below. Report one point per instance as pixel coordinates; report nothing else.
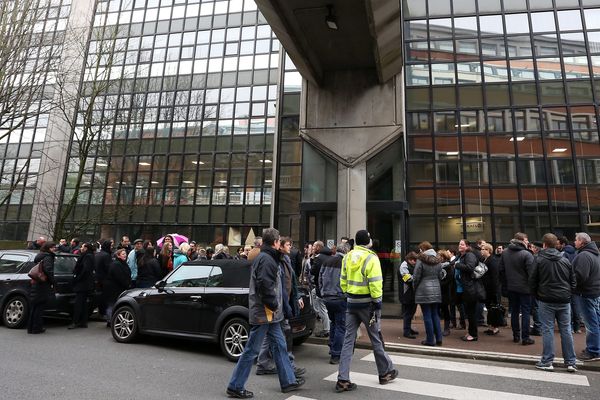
(587, 293)
(552, 281)
(83, 285)
(265, 314)
(41, 291)
(516, 264)
(322, 254)
(102, 261)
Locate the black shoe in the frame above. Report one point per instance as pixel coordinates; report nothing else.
(439, 343)
(293, 386)
(516, 340)
(72, 326)
(344, 386)
(410, 336)
(266, 371)
(83, 326)
(299, 371)
(527, 341)
(413, 332)
(240, 394)
(387, 378)
(38, 332)
(535, 332)
(426, 343)
(334, 360)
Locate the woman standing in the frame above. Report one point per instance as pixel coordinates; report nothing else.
(165, 258)
(428, 292)
(470, 289)
(148, 267)
(83, 285)
(182, 255)
(491, 282)
(41, 291)
(117, 281)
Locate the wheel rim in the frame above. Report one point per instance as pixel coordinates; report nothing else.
(124, 324)
(14, 312)
(236, 337)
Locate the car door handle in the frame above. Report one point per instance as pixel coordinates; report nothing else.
(195, 298)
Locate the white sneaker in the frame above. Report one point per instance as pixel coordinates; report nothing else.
(545, 367)
(571, 368)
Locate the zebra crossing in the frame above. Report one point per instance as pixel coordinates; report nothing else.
(538, 383)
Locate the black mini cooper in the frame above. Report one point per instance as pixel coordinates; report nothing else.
(201, 300)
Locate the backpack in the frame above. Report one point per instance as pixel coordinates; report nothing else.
(480, 270)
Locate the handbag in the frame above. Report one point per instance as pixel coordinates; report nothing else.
(37, 273)
(479, 270)
(474, 290)
(496, 315)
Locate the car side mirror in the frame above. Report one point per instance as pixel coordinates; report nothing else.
(160, 285)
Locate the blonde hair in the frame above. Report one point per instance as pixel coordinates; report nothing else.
(184, 247)
(488, 247)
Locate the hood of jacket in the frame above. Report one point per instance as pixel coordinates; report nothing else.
(550, 254)
(516, 244)
(325, 251)
(591, 247)
(569, 249)
(430, 257)
(106, 245)
(272, 252)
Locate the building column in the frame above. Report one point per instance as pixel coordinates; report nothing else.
(352, 199)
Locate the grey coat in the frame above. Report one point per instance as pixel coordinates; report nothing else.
(426, 278)
(265, 289)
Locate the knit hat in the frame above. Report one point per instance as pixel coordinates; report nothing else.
(362, 238)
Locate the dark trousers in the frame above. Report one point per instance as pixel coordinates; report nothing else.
(336, 309)
(408, 312)
(461, 312)
(520, 303)
(35, 323)
(80, 309)
(471, 311)
(575, 316)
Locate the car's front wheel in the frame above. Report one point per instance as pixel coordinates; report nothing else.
(234, 337)
(14, 313)
(124, 325)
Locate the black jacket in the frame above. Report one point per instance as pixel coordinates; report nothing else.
(473, 289)
(148, 271)
(41, 291)
(265, 289)
(552, 279)
(315, 267)
(102, 261)
(117, 280)
(296, 260)
(491, 280)
(587, 271)
(83, 273)
(516, 264)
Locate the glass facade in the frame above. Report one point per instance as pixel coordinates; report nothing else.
(501, 118)
(191, 145)
(22, 136)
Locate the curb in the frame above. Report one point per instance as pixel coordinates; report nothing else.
(462, 353)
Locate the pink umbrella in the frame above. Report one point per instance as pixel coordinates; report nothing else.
(177, 239)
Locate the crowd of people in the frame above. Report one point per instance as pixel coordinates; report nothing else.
(111, 268)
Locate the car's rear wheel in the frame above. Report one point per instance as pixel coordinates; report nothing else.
(15, 311)
(124, 325)
(234, 337)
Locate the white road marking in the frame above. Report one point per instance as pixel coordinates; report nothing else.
(506, 372)
(300, 398)
(434, 389)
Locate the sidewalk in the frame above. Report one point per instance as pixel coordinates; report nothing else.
(499, 347)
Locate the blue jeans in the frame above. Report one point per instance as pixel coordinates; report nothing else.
(336, 309)
(520, 303)
(590, 311)
(547, 312)
(431, 319)
(244, 365)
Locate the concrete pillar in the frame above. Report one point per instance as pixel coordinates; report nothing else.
(53, 164)
(352, 199)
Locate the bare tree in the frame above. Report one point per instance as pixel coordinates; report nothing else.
(28, 56)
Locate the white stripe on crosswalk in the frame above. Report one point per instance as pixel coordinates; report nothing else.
(506, 372)
(300, 398)
(435, 389)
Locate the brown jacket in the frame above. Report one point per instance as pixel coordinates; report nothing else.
(253, 253)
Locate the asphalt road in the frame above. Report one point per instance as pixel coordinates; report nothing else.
(89, 364)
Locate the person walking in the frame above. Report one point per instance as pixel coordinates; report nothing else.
(335, 301)
(41, 291)
(117, 281)
(407, 295)
(551, 282)
(516, 264)
(587, 293)
(322, 254)
(428, 292)
(362, 281)
(265, 314)
(83, 285)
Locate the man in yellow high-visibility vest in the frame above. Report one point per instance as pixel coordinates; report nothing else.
(362, 281)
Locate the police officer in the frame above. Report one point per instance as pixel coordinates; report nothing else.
(362, 281)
